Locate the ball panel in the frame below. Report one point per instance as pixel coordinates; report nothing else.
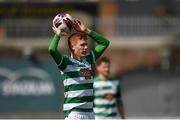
(59, 22)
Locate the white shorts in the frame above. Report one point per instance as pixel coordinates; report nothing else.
(108, 118)
(80, 116)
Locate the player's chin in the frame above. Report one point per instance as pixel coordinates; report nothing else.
(106, 73)
(83, 54)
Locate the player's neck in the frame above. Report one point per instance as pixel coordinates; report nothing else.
(103, 77)
(76, 57)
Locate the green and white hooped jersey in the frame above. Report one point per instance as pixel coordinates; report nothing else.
(78, 83)
(104, 108)
(77, 75)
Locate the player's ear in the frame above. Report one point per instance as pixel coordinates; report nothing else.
(72, 48)
(97, 68)
(70, 45)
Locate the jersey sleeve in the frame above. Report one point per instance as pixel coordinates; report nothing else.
(91, 58)
(63, 63)
(53, 49)
(56, 55)
(102, 44)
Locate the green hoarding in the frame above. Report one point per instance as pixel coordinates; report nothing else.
(29, 87)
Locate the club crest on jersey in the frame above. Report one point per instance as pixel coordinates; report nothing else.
(86, 72)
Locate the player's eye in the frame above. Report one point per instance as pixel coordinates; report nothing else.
(84, 44)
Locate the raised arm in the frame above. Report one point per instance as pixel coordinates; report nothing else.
(102, 43)
(57, 56)
(53, 49)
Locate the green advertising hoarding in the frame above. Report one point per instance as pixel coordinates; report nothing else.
(30, 87)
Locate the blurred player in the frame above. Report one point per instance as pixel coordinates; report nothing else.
(107, 95)
(76, 70)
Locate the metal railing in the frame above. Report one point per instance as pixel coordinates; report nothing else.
(123, 26)
(142, 26)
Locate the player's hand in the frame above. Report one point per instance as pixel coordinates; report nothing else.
(59, 32)
(79, 26)
(108, 96)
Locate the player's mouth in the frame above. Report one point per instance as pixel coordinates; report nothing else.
(84, 52)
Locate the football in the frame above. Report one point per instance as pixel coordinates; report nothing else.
(63, 22)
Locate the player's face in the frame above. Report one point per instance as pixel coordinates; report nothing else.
(104, 68)
(80, 48)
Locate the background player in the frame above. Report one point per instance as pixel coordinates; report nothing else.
(107, 95)
(76, 71)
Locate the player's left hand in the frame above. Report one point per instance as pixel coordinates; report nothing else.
(108, 96)
(79, 26)
(59, 32)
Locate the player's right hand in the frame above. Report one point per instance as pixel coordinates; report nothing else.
(108, 96)
(59, 32)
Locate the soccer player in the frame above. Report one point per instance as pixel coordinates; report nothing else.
(76, 70)
(107, 95)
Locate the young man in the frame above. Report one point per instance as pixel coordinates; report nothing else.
(76, 70)
(107, 95)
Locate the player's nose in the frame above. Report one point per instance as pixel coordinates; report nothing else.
(85, 47)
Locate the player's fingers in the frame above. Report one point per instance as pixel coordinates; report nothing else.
(75, 19)
(69, 21)
(78, 21)
(54, 29)
(75, 25)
